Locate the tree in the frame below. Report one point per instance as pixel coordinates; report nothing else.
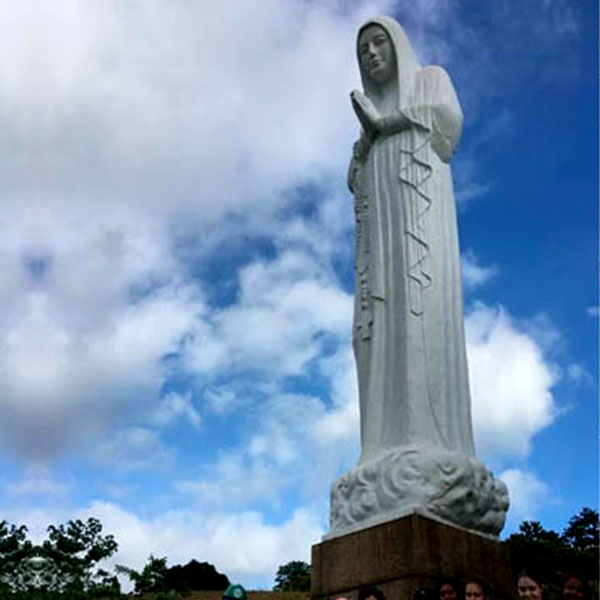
(64, 566)
(581, 534)
(536, 547)
(150, 579)
(293, 576)
(104, 585)
(582, 531)
(195, 576)
(555, 554)
(157, 577)
(70, 555)
(15, 551)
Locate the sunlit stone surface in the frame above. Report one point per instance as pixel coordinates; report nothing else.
(416, 433)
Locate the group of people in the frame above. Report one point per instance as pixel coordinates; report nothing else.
(529, 586)
(532, 586)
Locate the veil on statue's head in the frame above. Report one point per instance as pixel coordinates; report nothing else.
(407, 63)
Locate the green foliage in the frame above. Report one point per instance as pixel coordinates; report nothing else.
(63, 567)
(554, 554)
(155, 577)
(195, 576)
(150, 579)
(72, 552)
(536, 547)
(104, 585)
(582, 531)
(294, 576)
(15, 553)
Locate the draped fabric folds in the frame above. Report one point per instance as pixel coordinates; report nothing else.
(408, 323)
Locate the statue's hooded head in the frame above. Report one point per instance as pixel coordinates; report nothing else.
(385, 57)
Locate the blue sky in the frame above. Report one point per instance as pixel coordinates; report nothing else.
(177, 263)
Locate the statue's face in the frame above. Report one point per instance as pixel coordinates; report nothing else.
(376, 54)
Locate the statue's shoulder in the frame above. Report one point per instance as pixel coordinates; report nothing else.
(435, 93)
(433, 87)
(434, 76)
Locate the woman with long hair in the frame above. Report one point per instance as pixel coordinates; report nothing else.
(530, 586)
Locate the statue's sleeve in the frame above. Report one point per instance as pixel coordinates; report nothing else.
(434, 106)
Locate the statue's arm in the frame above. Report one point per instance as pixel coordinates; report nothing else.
(435, 106)
(373, 123)
(393, 123)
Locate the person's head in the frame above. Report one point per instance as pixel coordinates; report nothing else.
(376, 54)
(529, 585)
(477, 589)
(370, 593)
(235, 591)
(450, 588)
(575, 587)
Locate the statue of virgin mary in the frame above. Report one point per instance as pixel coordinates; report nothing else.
(408, 333)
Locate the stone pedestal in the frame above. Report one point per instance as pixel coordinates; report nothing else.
(402, 555)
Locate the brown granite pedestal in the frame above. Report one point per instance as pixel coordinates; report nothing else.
(403, 555)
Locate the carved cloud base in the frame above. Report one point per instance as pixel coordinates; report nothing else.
(424, 480)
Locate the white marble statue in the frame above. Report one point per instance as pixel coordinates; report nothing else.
(416, 434)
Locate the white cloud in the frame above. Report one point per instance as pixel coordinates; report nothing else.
(276, 452)
(474, 274)
(138, 138)
(36, 519)
(238, 478)
(37, 480)
(545, 333)
(221, 399)
(471, 190)
(511, 383)
(153, 93)
(57, 371)
(175, 406)
(127, 129)
(579, 374)
(242, 545)
(500, 125)
(132, 127)
(341, 422)
(527, 493)
(285, 306)
(293, 442)
(466, 180)
(134, 449)
(592, 311)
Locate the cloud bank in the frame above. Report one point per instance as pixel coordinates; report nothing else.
(176, 270)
